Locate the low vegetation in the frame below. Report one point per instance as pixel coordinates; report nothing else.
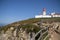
(27, 23)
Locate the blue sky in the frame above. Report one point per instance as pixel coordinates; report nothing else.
(15, 10)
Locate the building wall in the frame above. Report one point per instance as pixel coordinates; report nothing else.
(46, 16)
(43, 16)
(56, 15)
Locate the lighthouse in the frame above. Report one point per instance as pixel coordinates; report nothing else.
(44, 11)
(44, 15)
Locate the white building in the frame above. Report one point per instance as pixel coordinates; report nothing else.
(47, 16)
(55, 14)
(43, 16)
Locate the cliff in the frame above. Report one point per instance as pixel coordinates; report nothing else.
(25, 29)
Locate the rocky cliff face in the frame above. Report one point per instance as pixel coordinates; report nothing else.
(25, 32)
(16, 34)
(27, 29)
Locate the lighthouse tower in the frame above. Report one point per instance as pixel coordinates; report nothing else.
(44, 11)
(44, 14)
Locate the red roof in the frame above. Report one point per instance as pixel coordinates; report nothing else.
(44, 9)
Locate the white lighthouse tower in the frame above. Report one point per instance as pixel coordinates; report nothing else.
(44, 14)
(44, 11)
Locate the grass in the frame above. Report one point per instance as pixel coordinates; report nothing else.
(29, 21)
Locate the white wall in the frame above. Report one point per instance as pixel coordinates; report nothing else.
(43, 16)
(56, 15)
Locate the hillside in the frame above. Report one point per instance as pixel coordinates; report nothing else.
(34, 20)
(26, 27)
(31, 21)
